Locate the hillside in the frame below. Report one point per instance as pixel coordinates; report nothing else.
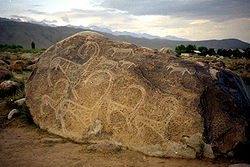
(20, 33)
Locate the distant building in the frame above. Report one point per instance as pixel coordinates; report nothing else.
(197, 52)
(185, 54)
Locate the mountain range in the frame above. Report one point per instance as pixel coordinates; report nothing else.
(137, 35)
(45, 35)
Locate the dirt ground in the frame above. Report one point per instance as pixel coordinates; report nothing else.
(22, 145)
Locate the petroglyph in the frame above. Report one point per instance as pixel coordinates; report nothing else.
(126, 64)
(85, 112)
(68, 67)
(176, 68)
(121, 52)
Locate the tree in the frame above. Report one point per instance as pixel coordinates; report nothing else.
(220, 52)
(180, 49)
(203, 50)
(190, 48)
(211, 52)
(247, 52)
(33, 46)
(237, 53)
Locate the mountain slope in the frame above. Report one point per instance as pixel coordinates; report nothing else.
(24, 33)
(21, 33)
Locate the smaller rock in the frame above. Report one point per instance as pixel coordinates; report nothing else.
(3, 64)
(4, 74)
(167, 50)
(52, 140)
(207, 151)
(6, 85)
(195, 141)
(213, 72)
(239, 165)
(17, 65)
(200, 63)
(104, 147)
(230, 154)
(13, 57)
(31, 67)
(245, 76)
(26, 56)
(12, 113)
(20, 102)
(96, 128)
(217, 63)
(220, 58)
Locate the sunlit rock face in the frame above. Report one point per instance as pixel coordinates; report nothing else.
(90, 88)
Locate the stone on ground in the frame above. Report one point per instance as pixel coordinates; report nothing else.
(20, 102)
(7, 85)
(92, 89)
(12, 113)
(4, 74)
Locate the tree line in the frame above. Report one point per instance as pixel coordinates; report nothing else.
(239, 53)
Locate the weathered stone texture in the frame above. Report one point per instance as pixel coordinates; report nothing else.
(89, 88)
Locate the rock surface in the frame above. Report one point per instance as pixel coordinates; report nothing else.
(91, 89)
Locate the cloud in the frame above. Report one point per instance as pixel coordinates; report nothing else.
(65, 19)
(37, 5)
(49, 21)
(218, 10)
(191, 19)
(36, 12)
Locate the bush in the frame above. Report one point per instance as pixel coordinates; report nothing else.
(203, 50)
(18, 48)
(190, 48)
(180, 49)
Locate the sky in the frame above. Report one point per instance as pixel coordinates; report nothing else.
(190, 19)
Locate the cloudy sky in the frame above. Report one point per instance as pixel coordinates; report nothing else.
(191, 19)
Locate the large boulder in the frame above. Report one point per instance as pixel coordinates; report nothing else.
(90, 88)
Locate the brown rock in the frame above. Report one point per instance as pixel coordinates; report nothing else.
(3, 64)
(17, 65)
(31, 67)
(8, 88)
(91, 89)
(246, 76)
(217, 63)
(13, 57)
(27, 56)
(6, 85)
(167, 51)
(4, 74)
